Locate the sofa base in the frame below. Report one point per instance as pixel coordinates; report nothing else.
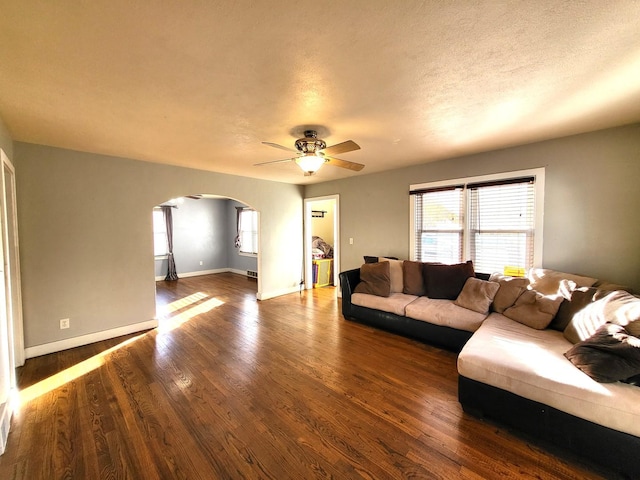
(611, 449)
(446, 337)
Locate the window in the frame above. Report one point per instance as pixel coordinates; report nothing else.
(249, 232)
(160, 245)
(495, 221)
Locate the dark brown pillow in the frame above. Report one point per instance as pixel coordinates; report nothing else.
(575, 300)
(412, 278)
(610, 355)
(446, 281)
(371, 259)
(374, 279)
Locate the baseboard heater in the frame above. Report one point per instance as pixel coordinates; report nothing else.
(252, 274)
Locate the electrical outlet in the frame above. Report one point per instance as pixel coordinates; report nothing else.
(64, 323)
(200, 262)
(351, 241)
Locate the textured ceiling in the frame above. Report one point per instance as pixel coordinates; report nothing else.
(201, 83)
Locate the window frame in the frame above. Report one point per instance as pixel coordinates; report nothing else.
(158, 210)
(255, 233)
(539, 188)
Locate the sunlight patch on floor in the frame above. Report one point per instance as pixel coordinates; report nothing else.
(61, 378)
(181, 303)
(169, 324)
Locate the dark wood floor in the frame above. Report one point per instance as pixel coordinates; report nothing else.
(229, 387)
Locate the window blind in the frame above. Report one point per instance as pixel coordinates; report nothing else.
(439, 221)
(501, 224)
(492, 223)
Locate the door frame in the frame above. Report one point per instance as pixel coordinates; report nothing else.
(308, 206)
(12, 259)
(11, 326)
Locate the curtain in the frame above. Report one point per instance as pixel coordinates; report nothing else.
(237, 240)
(171, 270)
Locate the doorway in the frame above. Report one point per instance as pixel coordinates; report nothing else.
(321, 221)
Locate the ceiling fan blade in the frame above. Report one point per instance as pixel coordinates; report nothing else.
(344, 147)
(336, 162)
(276, 161)
(281, 147)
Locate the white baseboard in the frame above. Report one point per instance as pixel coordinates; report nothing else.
(68, 343)
(277, 293)
(206, 272)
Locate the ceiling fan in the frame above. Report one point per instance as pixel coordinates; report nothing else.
(312, 152)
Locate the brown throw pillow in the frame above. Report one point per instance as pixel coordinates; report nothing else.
(617, 307)
(575, 299)
(477, 295)
(611, 354)
(412, 278)
(446, 281)
(534, 309)
(374, 279)
(510, 289)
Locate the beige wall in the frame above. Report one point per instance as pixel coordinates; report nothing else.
(323, 226)
(591, 199)
(86, 238)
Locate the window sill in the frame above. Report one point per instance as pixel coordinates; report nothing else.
(245, 254)
(161, 257)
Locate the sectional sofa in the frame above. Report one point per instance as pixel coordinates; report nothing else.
(553, 355)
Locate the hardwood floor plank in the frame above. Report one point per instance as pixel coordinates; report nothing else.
(230, 387)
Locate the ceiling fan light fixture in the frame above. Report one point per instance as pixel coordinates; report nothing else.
(310, 163)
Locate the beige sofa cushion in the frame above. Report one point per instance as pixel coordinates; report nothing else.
(617, 307)
(548, 281)
(477, 295)
(395, 274)
(534, 309)
(510, 289)
(394, 303)
(445, 313)
(531, 363)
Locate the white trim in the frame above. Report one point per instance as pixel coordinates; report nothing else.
(206, 272)
(277, 293)
(538, 173)
(531, 172)
(68, 343)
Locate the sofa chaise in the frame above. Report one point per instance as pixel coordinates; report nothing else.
(526, 348)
